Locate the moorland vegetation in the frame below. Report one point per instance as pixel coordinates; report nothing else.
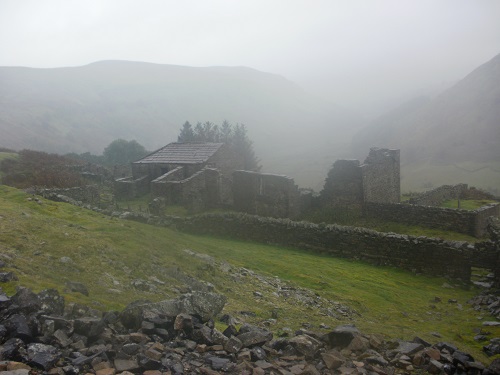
(48, 244)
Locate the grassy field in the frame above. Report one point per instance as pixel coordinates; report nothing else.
(7, 155)
(353, 218)
(468, 204)
(107, 254)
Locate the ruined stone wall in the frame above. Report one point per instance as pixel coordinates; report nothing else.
(129, 188)
(437, 196)
(349, 184)
(343, 185)
(226, 160)
(483, 214)
(469, 222)
(478, 194)
(417, 254)
(265, 194)
(197, 192)
(159, 186)
(381, 176)
(494, 231)
(226, 191)
(88, 194)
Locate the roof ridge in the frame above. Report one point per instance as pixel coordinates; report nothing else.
(182, 153)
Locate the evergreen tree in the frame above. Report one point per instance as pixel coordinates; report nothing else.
(243, 145)
(210, 132)
(199, 133)
(226, 132)
(234, 136)
(186, 134)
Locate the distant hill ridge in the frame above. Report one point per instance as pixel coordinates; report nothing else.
(457, 130)
(451, 138)
(79, 109)
(461, 124)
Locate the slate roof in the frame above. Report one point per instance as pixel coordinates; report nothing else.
(182, 153)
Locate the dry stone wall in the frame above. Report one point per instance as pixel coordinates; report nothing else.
(88, 194)
(469, 222)
(265, 194)
(437, 196)
(418, 254)
(128, 187)
(494, 231)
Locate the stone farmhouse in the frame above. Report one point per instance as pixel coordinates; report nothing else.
(195, 174)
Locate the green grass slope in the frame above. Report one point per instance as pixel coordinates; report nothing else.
(47, 243)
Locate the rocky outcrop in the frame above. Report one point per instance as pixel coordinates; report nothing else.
(38, 334)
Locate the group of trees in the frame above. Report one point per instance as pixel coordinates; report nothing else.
(35, 168)
(118, 152)
(233, 135)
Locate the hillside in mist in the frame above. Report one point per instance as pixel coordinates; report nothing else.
(451, 138)
(84, 108)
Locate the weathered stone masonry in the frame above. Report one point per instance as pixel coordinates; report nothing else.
(350, 184)
(472, 222)
(265, 194)
(418, 254)
(381, 176)
(437, 196)
(88, 194)
(197, 192)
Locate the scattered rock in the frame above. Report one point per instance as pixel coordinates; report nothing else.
(178, 336)
(491, 324)
(73, 286)
(6, 277)
(342, 336)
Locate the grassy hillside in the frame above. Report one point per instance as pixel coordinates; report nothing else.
(47, 243)
(422, 176)
(449, 139)
(7, 155)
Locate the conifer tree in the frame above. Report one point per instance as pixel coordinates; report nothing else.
(235, 137)
(186, 134)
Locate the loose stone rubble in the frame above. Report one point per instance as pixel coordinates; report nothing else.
(488, 304)
(276, 289)
(39, 333)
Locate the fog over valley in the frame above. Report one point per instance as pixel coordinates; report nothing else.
(312, 82)
(249, 187)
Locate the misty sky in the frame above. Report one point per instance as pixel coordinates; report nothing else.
(363, 55)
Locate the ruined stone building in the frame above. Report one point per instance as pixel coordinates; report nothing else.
(350, 184)
(194, 174)
(265, 194)
(202, 175)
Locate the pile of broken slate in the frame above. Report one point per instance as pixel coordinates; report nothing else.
(41, 334)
